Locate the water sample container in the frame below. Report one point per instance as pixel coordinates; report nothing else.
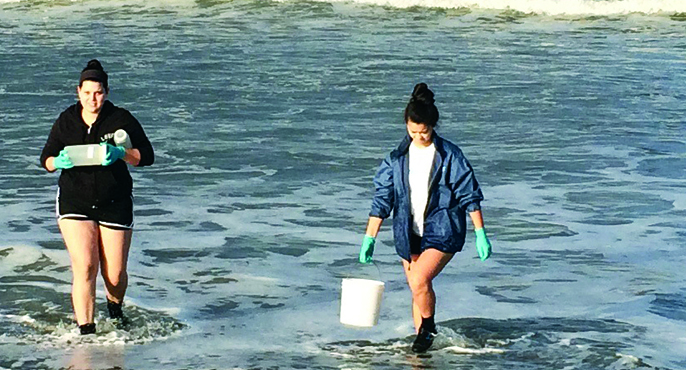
(86, 155)
(361, 302)
(121, 138)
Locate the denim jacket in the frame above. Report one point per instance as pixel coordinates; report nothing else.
(453, 191)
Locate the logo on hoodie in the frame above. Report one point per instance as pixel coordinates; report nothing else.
(107, 137)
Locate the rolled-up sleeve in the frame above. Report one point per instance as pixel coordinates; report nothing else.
(465, 187)
(382, 204)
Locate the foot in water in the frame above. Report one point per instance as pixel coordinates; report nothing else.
(87, 329)
(117, 315)
(424, 340)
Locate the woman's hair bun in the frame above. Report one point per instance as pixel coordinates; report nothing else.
(421, 93)
(421, 108)
(94, 64)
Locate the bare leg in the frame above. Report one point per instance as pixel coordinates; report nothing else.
(82, 240)
(114, 253)
(420, 272)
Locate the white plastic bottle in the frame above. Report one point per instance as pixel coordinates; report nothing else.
(86, 155)
(121, 138)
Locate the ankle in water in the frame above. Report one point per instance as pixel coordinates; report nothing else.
(425, 337)
(115, 310)
(87, 329)
(429, 324)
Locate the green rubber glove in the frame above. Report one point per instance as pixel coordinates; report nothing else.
(62, 161)
(367, 249)
(483, 246)
(113, 154)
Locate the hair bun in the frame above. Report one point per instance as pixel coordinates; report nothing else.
(421, 93)
(421, 108)
(94, 64)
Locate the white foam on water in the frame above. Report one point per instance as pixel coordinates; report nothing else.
(550, 7)
(625, 361)
(24, 319)
(20, 255)
(472, 351)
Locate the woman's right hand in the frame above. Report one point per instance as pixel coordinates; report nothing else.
(62, 161)
(367, 249)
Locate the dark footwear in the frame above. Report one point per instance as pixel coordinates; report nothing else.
(116, 314)
(87, 329)
(424, 340)
(115, 310)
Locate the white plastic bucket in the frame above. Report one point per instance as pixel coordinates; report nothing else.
(360, 302)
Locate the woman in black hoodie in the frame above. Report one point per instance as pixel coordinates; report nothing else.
(95, 203)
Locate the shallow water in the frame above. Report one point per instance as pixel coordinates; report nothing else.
(269, 120)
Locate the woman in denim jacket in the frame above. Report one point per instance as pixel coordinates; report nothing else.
(430, 187)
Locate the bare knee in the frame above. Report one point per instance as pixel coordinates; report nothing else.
(87, 271)
(115, 278)
(419, 284)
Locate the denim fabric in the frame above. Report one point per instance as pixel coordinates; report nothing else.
(453, 192)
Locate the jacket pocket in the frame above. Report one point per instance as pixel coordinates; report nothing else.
(438, 227)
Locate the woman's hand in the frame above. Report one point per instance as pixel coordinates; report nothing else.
(483, 245)
(61, 162)
(367, 249)
(112, 154)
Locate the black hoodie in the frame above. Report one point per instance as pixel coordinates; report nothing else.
(96, 185)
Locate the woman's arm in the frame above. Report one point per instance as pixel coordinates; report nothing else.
(373, 226)
(142, 154)
(477, 219)
(132, 157)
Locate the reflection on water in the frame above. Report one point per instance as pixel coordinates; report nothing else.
(476, 343)
(87, 357)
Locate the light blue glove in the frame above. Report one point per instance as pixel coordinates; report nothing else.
(483, 246)
(62, 161)
(367, 249)
(112, 154)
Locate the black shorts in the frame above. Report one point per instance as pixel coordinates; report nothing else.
(415, 243)
(117, 214)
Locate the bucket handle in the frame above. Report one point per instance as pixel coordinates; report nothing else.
(378, 269)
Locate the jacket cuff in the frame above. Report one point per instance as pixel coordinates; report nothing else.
(377, 214)
(474, 206)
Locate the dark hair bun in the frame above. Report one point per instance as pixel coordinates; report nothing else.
(421, 108)
(94, 64)
(422, 94)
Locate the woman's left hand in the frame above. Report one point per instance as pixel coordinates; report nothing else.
(483, 245)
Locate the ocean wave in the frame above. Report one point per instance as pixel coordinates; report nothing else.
(542, 7)
(549, 7)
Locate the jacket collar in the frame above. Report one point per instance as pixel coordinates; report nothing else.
(404, 146)
(403, 149)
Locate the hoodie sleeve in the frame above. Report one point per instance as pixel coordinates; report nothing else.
(464, 186)
(382, 204)
(140, 141)
(54, 144)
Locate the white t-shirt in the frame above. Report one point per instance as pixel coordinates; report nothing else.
(421, 162)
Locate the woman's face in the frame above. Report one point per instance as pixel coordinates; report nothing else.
(421, 134)
(92, 96)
